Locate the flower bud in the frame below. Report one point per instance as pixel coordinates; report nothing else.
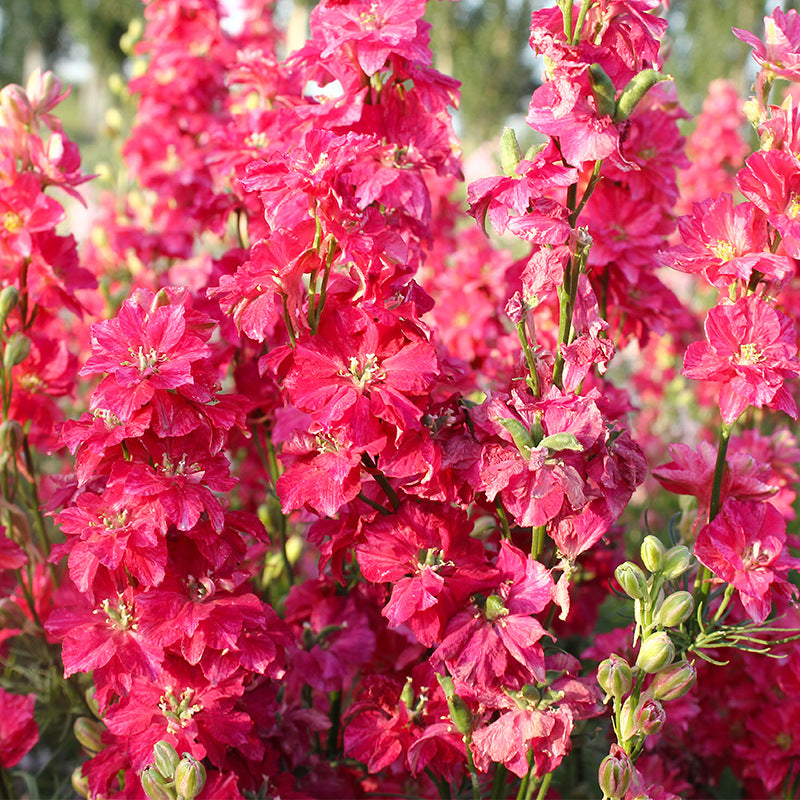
(18, 348)
(91, 701)
(649, 717)
(509, 152)
(155, 785)
(460, 714)
(632, 580)
(614, 775)
(653, 553)
(677, 608)
(12, 436)
(166, 758)
(80, 783)
(15, 107)
(190, 777)
(673, 681)
(627, 722)
(615, 676)
(9, 298)
(676, 562)
(89, 732)
(656, 652)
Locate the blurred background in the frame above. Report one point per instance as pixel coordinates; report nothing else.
(482, 43)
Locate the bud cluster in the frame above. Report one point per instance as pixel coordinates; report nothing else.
(172, 777)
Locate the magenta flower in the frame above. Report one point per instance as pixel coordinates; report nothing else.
(18, 730)
(751, 349)
(780, 50)
(744, 545)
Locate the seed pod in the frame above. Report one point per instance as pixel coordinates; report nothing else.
(677, 608)
(653, 553)
(615, 676)
(495, 607)
(673, 681)
(88, 732)
(604, 91)
(656, 652)
(635, 90)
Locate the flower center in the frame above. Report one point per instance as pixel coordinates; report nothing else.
(723, 250)
(114, 522)
(178, 711)
(145, 362)
(12, 221)
(793, 207)
(363, 373)
(120, 616)
(749, 354)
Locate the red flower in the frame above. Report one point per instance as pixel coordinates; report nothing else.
(751, 349)
(780, 50)
(744, 546)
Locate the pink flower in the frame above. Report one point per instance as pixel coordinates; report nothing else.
(751, 349)
(744, 546)
(780, 50)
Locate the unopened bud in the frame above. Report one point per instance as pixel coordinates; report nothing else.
(656, 652)
(18, 348)
(627, 722)
(753, 112)
(80, 783)
(12, 436)
(649, 717)
(190, 778)
(166, 758)
(676, 562)
(673, 681)
(91, 701)
(615, 676)
(614, 775)
(509, 152)
(632, 580)
(9, 298)
(677, 608)
(155, 785)
(653, 553)
(15, 107)
(89, 733)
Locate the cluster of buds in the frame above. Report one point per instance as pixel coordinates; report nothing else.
(173, 777)
(638, 710)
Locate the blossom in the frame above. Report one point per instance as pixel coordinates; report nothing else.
(780, 49)
(18, 730)
(751, 349)
(744, 546)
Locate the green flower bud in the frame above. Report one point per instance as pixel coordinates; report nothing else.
(155, 785)
(9, 298)
(677, 608)
(615, 676)
(635, 90)
(91, 701)
(88, 732)
(676, 562)
(653, 553)
(604, 91)
(11, 436)
(80, 783)
(627, 721)
(614, 775)
(166, 758)
(673, 681)
(18, 348)
(656, 652)
(632, 580)
(190, 777)
(509, 152)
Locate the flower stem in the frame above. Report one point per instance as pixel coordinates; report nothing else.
(544, 786)
(499, 783)
(719, 468)
(530, 360)
(537, 541)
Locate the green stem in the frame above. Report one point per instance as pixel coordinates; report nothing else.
(523, 787)
(566, 13)
(576, 33)
(499, 782)
(381, 480)
(724, 604)
(537, 541)
(530, 360)
(324, 288)
(590, 187)
(441, 785)
(719, 469)
(382, 510)
(473, 773)
(501, 513)
(5, 785)
(545, 786)
(335, 718)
